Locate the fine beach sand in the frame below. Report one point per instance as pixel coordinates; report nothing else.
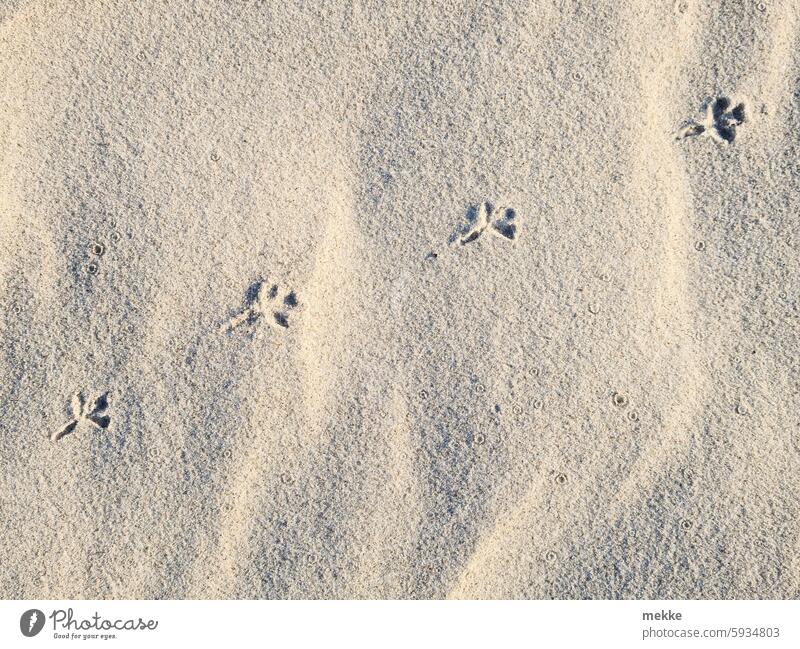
(406, 300)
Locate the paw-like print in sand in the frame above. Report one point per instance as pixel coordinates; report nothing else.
(262, 301)
(500, 221)
(719, 123)
(85, 414)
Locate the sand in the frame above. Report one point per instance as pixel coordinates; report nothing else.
(408, 300)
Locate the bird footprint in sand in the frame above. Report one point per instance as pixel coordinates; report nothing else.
(87, 413)
(719, 123)
(500, 221)
(261, 301)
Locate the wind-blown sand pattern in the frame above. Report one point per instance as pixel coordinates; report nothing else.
(259, 341)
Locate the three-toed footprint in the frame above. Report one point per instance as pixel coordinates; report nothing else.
(719, 123)
(262, 301)
(500, 221)
(85, 414)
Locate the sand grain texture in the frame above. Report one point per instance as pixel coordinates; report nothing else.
(602, 406)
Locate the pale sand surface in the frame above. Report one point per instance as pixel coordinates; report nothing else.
(427, 425)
